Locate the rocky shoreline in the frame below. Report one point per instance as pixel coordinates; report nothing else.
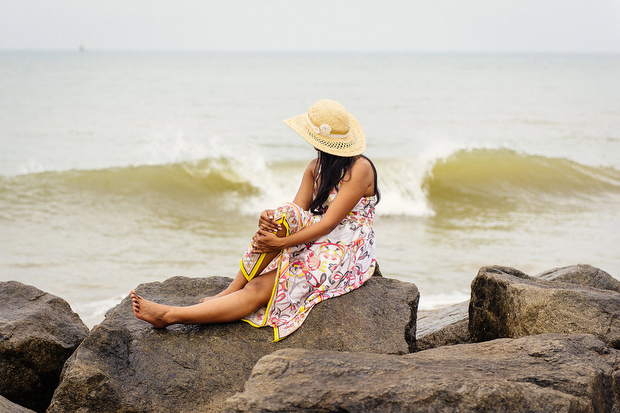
(545, 343)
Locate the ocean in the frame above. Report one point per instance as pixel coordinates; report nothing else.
(120, 168)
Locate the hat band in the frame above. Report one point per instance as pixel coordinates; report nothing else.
(324, 130)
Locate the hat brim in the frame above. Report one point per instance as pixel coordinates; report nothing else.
(352, 145)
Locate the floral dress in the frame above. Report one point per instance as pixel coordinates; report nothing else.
(307, 274)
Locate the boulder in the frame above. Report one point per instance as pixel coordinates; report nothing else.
(38, 333)
(508, 303)
(7, 406)
(583, 274)
(545, 373)
(126, 365)
(443, 327)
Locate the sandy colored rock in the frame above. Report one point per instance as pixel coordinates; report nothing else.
(443, 327)
(505, 302)
(545, 373)
(7, 406)
(583, 274)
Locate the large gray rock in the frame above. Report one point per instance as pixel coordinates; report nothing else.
(508, 303)
(7, 406)
(443, 327)
(545, 373)
(38, 333)
(125, 365)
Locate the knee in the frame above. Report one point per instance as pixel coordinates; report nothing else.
(290, 215)
(288, 209)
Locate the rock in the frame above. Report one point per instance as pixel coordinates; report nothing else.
(508, 303)
(7, 406)
(450, 325)
(38, 333)
(545, 373)
(585, 275)
(443, 327)
(125, 365)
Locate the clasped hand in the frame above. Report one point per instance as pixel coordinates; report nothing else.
(265, 240)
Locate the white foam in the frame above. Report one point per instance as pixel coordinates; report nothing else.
(401, 181)
(93, 312)
(31, 166)
(178, 148)
(275, 187)
(433, 301)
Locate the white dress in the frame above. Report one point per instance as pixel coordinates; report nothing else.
(307, 274)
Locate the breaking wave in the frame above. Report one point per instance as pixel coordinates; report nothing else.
(409, 187)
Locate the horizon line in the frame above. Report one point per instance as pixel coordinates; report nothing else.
(311, 51)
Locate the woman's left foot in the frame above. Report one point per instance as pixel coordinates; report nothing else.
(149, 311)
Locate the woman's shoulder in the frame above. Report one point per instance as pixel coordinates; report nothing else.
(312, 167)
(313, 164)
(363, 161)
(361, 173)
(362, 167)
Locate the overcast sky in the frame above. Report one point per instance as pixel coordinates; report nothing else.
(360, 25)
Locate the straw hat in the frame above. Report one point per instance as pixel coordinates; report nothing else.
(330, 128)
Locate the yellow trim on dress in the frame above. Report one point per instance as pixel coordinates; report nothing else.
(281, 220)
(253, 272)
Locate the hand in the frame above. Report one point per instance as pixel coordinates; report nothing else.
(266, 241)
(267, 223)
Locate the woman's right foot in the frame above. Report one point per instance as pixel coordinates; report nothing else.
(149, 311)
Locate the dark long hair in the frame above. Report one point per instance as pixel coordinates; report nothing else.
(333, 168)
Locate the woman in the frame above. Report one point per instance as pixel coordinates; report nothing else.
(319, 246)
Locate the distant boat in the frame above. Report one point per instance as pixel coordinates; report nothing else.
(81, 47)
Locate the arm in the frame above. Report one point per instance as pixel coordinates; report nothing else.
(304, 193)
(352, 189)
(303, 199)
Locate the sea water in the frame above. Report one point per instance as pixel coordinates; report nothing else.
(123, 168)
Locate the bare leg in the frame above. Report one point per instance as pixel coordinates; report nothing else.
(239, 282)
(230, 307)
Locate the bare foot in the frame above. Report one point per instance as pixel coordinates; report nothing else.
(149, 311)
(202, 300)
